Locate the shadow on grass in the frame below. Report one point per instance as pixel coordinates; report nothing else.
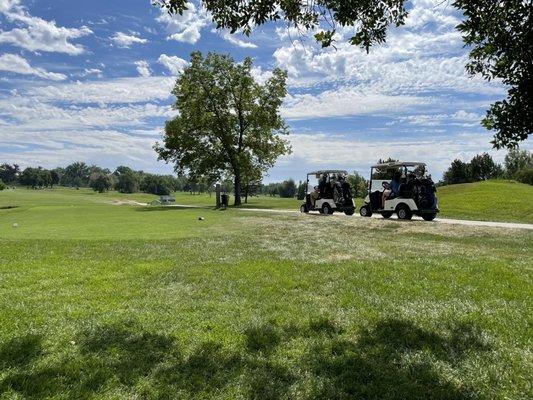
(376, 366)
(8, 207)
(20, 351)
(142, 364)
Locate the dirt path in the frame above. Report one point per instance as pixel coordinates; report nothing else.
(128, 202)
(492, 224)
(450, 221)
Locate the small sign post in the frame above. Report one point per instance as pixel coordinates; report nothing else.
(217, 191)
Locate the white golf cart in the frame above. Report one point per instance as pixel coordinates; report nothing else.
(416, 192)
(332, 190)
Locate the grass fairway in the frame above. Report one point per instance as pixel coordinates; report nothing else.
(103, 301)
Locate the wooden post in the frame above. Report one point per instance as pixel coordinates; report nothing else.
(217, 191)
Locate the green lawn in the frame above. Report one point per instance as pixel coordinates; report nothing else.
(103, 301)
(497, 200)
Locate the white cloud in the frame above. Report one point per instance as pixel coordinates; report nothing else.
(33, 115)
(122, 119)
(186, 27)
(16, 64)
(38, 34)
(92, 71)
(174, 64)
(318, 150)
(122, 90)
(435, 12)
(421, 64)
(231, 38)
(124, 40)
(101, 146)
(143, 68)
(461, 118)
(347, 101)
(259, 75)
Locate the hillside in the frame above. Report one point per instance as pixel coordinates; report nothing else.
(497, 200)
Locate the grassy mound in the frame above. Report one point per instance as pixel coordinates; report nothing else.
(496, 200)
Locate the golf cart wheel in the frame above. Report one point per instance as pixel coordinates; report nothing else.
(303, 209)
(326, 209)
(386, 214)
(429, 217)
(404, 212)
(365, 211)
(349, 211)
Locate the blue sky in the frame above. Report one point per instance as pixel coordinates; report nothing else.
(91, 81)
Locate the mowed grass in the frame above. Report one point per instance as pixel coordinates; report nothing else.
(103, 301)
(495, 200)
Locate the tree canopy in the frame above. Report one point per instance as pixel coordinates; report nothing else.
(517, 160)
(481, 167)
(228, 124)
(370, 18)
(36, 177)
(100, 182)
(499, 33)
(127, 180)
(9, 173)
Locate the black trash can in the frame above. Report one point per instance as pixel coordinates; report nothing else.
(224, 199)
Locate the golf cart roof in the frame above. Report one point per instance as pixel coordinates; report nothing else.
(328, 171)
(397, 164)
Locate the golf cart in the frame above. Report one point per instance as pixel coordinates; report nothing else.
(332, 193)
(415, 191)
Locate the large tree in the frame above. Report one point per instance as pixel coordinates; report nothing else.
(499, 33)
(100, 182)
(459, 172)
(128, 180)
(9, 173)
(483, 167)
(76, 175)
(517, 160)
(36, 177)
(227, 123)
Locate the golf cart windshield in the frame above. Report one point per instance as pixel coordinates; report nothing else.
(384, 172)
(418, 171)
(313, 178)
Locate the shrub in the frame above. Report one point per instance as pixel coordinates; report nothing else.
(2, 185)
(100, 182)
(157, 184)
(287, 189)
(525, 176)
(128, 182)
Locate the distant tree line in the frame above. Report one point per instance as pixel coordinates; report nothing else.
(126, 180)
(518, 165)
(78, 174)
(289, 188)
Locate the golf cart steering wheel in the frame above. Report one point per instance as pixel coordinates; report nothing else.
(386, 185)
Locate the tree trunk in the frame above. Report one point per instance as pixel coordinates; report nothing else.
(237, 189)
(246, 194)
